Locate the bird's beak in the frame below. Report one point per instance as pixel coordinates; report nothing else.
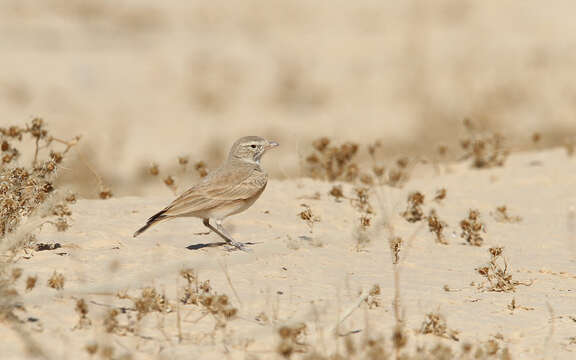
(271, 144)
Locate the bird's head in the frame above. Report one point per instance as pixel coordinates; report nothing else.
(250, 149)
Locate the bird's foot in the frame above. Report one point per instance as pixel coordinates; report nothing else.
(235, 245)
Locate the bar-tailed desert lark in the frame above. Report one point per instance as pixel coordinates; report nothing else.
(228, 190)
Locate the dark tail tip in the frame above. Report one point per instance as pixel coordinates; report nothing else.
(154, 219)
(141, 230)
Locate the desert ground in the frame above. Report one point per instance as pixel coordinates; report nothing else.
(421, 205)
(336, 290)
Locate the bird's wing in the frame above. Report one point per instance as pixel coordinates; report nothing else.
(221, 189)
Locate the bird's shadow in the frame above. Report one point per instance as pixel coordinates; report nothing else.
(209, 245)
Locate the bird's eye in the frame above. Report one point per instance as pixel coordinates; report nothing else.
(253, 146)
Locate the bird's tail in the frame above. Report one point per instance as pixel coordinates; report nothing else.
(153, 220)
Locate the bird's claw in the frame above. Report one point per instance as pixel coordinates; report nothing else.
(235, 245)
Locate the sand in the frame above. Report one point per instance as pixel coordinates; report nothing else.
(294, 275)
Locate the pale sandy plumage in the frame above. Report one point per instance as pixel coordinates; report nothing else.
(228, 190)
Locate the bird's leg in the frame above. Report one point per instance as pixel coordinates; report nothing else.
(219, 229)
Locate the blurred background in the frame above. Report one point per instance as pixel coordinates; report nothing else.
(148, 81)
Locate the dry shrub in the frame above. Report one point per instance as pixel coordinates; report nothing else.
(31, 282)
(148, 301)
(436, 226)
(486, 150)
(201, 168)
(440, 195)
(23, 188)
(472, 227)
(361, 202)
(56, 281)
(112, 324)
(374, 300)
(292, 339)
(201, 294)
(498, 274)
(309, 217)
(82, 311)
(332, 162)
(337, 192)
(153, 169)
(395, 247)
(413, 212)
(399, 174)
(435, 324)
(501, 215)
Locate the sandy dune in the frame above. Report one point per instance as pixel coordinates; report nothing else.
(294, 276)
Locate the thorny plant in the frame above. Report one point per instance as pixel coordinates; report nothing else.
(472, 227)
(437, 226)
(435, 324)
(23, 188)
(486, 150)
(308, 216)
(498, 273)
(413, 212)
(501, 215)
(201, 294)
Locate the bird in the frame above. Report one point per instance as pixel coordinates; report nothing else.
(228, 190)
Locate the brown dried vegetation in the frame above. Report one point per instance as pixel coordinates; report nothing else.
(82, 311)
(308, 216)
(498, 273)
(436, 226)
(413, 212)
(501, 215)
(395, 247)
(201, 294)
(472, 227)
(332, 162)
(292, 339)
(486, 150)
(435, 324)
(56, 281)
(440, 195)
(24, 188)
(374, 300)
(148, 301)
